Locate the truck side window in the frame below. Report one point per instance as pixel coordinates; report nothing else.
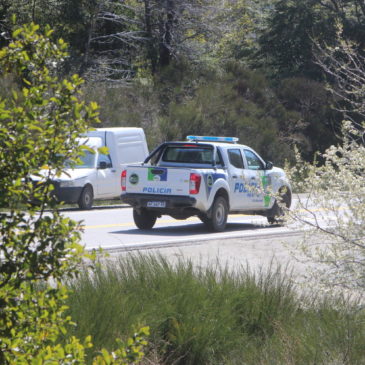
(253, 162)
(105, 158)
(219, 159)
(154, 159)
(235, 158)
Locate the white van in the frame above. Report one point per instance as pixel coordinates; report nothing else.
(99, 175)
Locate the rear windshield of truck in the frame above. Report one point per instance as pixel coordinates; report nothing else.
(188, 155)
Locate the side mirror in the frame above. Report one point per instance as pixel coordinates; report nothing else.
(102, 165)
(269, 165)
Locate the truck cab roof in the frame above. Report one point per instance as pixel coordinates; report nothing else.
(201, 152)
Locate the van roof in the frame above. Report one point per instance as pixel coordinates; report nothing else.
(93, 142)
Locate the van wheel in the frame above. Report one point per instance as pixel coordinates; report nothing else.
(86, 198)
(144, 219)
(218, 220)
(276, 215)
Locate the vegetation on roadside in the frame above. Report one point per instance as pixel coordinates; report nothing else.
(207, 314)
(39, 123)
(335, 183)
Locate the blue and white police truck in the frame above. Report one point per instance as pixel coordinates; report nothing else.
(208, 177)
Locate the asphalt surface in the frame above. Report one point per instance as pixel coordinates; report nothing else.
(249, 242)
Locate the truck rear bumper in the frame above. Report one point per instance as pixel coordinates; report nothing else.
(158, 202)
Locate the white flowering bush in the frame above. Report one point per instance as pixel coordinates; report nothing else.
(333, 211)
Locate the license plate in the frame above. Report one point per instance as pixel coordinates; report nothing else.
(156, 204)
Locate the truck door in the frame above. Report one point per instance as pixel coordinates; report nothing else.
(257, 180)
(108, 181)
(239, 198)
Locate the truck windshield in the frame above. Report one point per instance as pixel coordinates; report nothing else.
(193, 155)
(87, 161)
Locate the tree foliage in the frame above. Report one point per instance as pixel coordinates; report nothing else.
(313, 104)
(174, 48)
(336, 238)
(237, 103)
(286, 45)
(39, 123)
(344, 64)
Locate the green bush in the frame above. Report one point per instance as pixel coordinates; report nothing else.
(40, 119)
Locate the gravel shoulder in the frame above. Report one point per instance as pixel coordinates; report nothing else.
(259, 254)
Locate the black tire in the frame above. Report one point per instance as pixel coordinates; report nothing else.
(273, 220)
(218, 220)
(144, 219)
(204, 218)
(86, 199)
(276, 215)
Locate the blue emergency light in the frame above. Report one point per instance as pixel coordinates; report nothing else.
(212, 139)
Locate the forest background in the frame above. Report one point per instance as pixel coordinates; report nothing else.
(245, 68)
(259, 70)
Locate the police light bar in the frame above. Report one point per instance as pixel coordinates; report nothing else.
(212, 139)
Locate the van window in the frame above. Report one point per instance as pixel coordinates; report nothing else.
(253, 162)
(87, 161)
(235, 158)
(105, 158)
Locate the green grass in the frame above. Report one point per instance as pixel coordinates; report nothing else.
(210, 315)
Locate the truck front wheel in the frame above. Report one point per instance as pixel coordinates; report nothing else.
(218, 219)
(144, 219)
(277, 213)
(86, 198)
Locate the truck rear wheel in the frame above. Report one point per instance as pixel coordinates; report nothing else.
(204, 218)
(86, 198)
(218, 220)
(144, 219)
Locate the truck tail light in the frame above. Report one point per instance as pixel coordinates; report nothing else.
(123, 177)
(194, 185)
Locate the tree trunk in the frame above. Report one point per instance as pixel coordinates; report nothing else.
(151, 51)
(91, 27)
(166, 34)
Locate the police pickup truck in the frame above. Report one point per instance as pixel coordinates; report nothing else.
(208, 177)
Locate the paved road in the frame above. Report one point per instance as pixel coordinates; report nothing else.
(113, 229)
(247, 240)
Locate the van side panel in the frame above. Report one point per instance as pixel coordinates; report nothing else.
(126, 145)
(131, 147)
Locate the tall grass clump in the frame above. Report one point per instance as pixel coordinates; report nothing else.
(211, 315)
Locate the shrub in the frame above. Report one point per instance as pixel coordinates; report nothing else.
(39, 123)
